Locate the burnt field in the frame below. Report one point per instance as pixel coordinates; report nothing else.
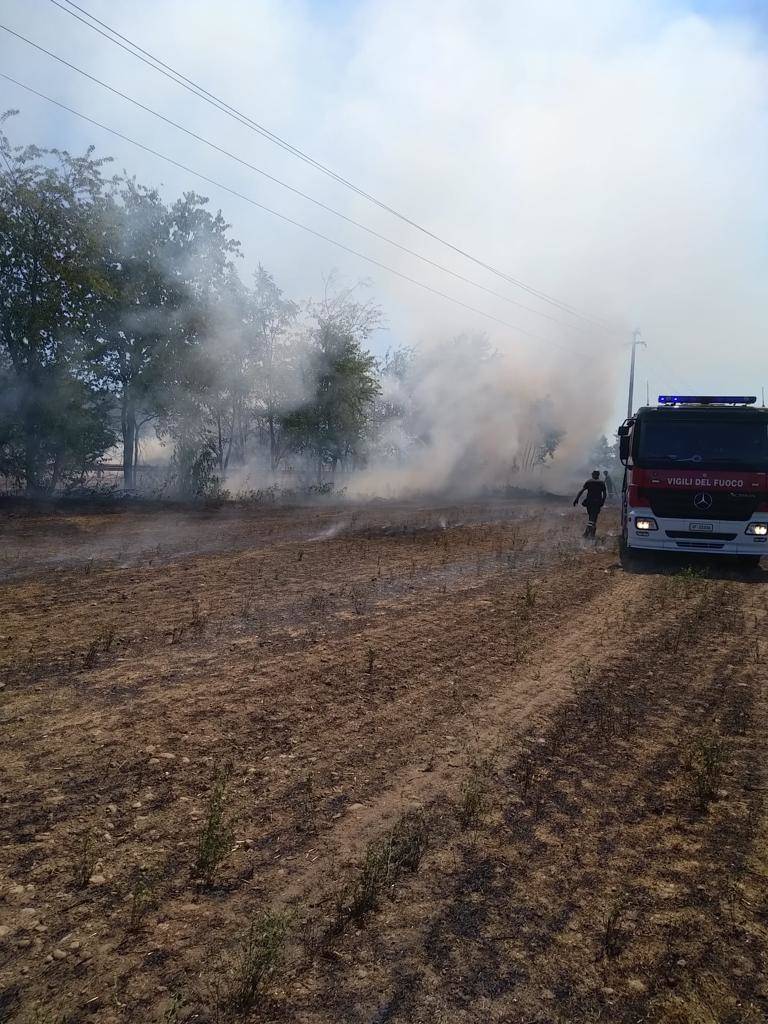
(388, 764)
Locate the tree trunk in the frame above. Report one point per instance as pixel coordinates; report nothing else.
(32, 467)
(273, 453)
(136, 450)
(128, 425)
(56, 471)
(219, 445)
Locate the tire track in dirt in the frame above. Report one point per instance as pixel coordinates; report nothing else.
(510, 926)
(99, 753)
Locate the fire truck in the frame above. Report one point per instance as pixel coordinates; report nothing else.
(696, 477)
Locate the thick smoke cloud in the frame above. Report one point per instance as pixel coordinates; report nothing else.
(611, 153)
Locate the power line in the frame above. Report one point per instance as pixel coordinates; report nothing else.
(278, 181)
(276, 213)
(165, 69)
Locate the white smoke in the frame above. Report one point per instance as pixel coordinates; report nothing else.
(611, 153)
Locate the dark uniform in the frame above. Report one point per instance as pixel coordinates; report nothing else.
(593, 502)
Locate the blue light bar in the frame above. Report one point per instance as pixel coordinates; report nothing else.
(707, 399)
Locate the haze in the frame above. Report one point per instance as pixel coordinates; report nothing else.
(610, 154)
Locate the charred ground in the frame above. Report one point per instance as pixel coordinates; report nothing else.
(387, 764)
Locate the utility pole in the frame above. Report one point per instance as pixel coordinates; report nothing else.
(636, 340)
(647, 393)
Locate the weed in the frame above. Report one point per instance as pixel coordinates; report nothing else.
(560, 730)
(197, 619)
(473, 804)
(258, 961)
(705, 762)
(44, 1015)
(360, 600)
(141, 901)
(374, 874)
(92, 653)
(613, 931)
(400, 850)
(527, 763)
(318, 603)
(690, 575)
(307, 803)
(529, 598)
(408, 841)
(174, 1008)
(371, 660)
(84, 862)
(580, 674)
(216, 838)
(177, 634)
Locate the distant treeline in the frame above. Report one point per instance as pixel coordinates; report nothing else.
(123, 316)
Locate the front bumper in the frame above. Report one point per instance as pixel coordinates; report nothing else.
(721, 536)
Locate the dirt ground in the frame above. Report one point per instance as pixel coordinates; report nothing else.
(386, 764)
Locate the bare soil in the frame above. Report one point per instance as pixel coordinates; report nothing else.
(387, 764)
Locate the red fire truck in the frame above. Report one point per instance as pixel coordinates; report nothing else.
(696, 477)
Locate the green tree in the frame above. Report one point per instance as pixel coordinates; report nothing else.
(136, 320)
(342, 384)
(52, 213)
(166, 268)
(277, 352)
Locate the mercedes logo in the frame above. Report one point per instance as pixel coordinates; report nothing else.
(703, 501)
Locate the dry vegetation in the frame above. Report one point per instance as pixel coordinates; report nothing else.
(393, 765)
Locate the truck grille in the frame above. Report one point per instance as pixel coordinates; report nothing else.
(680, 504)
(699, 545)
(693, 535)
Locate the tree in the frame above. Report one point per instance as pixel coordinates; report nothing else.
(392, 429)
(340, 379)
(52, 210)
(166, 268)
(605, 454)
(268, 327)
(136, 318)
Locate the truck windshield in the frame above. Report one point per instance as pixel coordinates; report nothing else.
(678, 439)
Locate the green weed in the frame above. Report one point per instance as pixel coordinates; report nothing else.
(216, 839)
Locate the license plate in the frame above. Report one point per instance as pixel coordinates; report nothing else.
(701, 527)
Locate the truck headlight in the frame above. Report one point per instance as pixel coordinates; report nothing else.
(646, 524)
(758, 529)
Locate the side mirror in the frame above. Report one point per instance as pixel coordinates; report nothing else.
(624, 447)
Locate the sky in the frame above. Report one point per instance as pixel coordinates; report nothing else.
(610, 154)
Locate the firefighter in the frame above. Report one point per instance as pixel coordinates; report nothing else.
(596, 493)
